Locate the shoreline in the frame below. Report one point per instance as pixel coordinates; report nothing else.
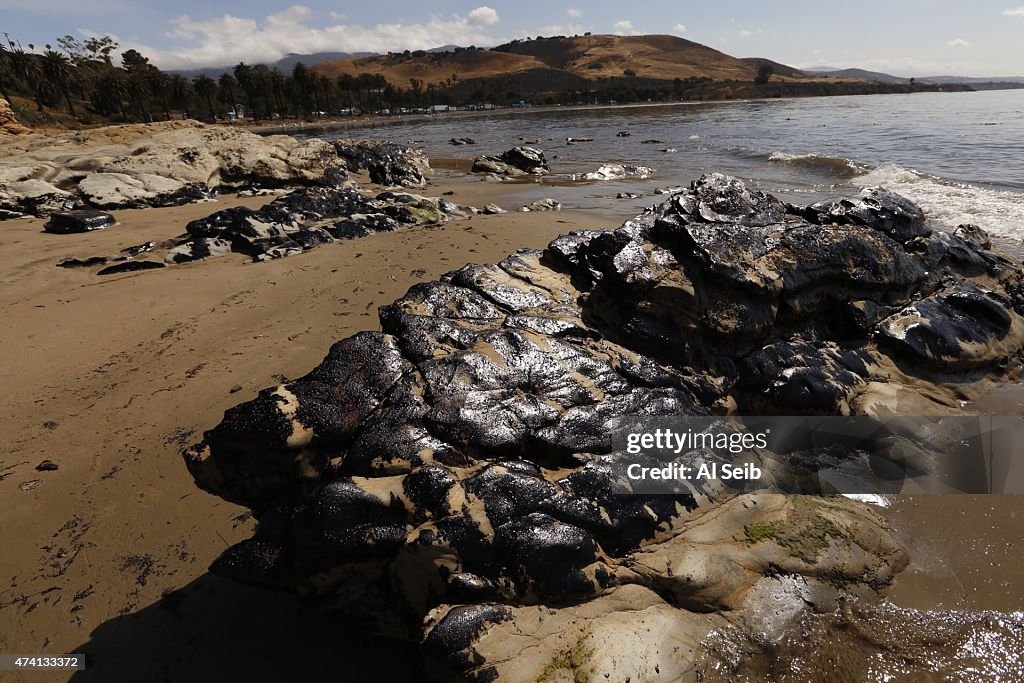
(93, 563)
(363, 121)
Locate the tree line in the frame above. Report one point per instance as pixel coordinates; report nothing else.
(82, 77)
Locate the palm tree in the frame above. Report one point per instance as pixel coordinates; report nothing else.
(158, 83)
(110, 91)
(138, 81)
(25, 66)
(205, 87)
(180, 91)
(303, 88)
(228, 90)
(247, 82)
(278, 84)
(5, 73)
(59, 75)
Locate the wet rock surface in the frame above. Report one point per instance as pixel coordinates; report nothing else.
(334, 208)
(446, 479)
(515, 162)
(386, 162)
(80, 220)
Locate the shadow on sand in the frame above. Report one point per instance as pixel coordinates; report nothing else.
(214, 629)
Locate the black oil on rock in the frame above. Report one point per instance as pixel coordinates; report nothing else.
(445, 479)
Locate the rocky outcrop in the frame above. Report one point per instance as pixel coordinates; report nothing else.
(294, 222)
(123, 191)
(9, 123)
(447, 478)
(179, 162)
(387, 163)
(32, 197)
(515, 162)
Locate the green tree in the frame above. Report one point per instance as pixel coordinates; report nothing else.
(25, 66)
(764, 74)
(59, 75)
(228, 91)
(247, 82)
(110, 91)
(137, 81)
(205, 87)
(180, 91)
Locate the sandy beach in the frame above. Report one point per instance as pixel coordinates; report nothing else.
(107, 555)
(109, 378)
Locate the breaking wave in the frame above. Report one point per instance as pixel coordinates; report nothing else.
(948, 204)
(819, 162)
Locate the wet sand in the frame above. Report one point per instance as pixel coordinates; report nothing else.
(109, 377)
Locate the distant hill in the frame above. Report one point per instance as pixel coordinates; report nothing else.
(567, 61)
(285, 64)
(972, 80)
(861, 74)
(978, 83)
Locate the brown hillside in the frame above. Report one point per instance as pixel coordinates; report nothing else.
(432, 67)
(660, 57)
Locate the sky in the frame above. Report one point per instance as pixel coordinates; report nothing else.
(902, 37)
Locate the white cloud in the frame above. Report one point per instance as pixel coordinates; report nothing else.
(957, 42)
(227, 40)
(574, 13)
(1014, 11)
(746, 34)
(570, 29)
(680, 28)
(625, 27)
(483, 16)
(337, 16)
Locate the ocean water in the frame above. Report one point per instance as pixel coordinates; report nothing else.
(959, 155)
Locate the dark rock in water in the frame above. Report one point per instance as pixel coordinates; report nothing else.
(130, 267)
(516, 161)
(448, 479)
(652, 142)
(623, 134)
(79, 220)
(386, 162)
(82, 263)
(462, 141)
(575, 140)
(886, 211)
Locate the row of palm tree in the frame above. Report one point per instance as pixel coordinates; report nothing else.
(83, 78)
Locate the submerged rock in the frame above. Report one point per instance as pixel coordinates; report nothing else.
(462, 141)
(80, 220)
(546, 204)
(618, 171)
(447, 480)
(516, 161)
